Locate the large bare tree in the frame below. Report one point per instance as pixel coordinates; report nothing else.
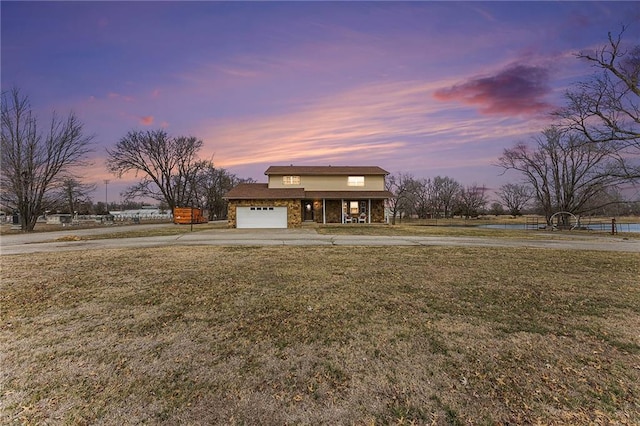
(445, 192)
(566, 173)
(606, 107)
(403, 188)
(422, 198)
(73, 193)
(169, 165)
(213, 185)
(515, 197)
(35, 161)
(472, 200)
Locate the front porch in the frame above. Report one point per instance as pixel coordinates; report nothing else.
(344, 210)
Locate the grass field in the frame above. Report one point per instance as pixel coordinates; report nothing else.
(320, 335)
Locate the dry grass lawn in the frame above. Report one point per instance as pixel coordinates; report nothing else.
(320, 335)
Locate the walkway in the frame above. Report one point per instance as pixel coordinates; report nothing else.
(54, 241)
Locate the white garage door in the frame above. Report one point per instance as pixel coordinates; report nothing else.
(261, 217)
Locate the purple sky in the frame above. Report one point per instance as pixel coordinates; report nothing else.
(427, 88)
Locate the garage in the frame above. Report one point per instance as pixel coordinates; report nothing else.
(261, 217)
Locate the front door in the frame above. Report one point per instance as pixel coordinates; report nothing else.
(307, 210)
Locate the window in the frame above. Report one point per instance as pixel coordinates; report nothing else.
(291, 180)
(355, 181)
(353, 208)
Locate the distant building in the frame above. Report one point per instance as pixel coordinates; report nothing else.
(145, 213)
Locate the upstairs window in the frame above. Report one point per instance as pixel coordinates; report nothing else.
(355, 181)
(291, 180)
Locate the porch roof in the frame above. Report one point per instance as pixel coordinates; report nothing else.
(349, 195)
(261, 191)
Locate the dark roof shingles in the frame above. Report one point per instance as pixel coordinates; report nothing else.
(261, 191)
(325, 170)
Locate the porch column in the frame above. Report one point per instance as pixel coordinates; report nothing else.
(324, 212)
(341, 210)
(369, 210)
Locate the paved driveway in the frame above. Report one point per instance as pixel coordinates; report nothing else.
(50, 241)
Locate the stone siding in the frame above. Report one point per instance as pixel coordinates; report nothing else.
(377, 211)
(334, 211)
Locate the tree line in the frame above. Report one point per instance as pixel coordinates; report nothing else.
(443, 197)
(38, 172)
(440, 197)
(172, 171)
(579, 163)
(576, 165)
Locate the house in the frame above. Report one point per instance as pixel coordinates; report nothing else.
(322, 194)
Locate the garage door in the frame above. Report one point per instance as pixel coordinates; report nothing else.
(261, 217)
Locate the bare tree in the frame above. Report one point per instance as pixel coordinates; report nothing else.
(472, 200)
(445, 191)
(566, 173)
(606, 108)
(169, 165)
(74, 193)
(34, 162)
(422, 197)
(515, 197)
(213, 184)
(402, 186)
(496, 209)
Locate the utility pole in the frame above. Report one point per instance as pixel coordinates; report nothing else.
(106, 195)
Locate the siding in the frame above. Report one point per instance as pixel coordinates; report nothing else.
(329, 183)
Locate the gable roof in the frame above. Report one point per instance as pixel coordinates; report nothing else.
(261, 191)
(326, 170)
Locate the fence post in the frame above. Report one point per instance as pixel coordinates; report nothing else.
(613, 227)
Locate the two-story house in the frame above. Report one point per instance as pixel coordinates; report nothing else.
(322, 194)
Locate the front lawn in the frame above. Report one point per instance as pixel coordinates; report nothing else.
(320, 335)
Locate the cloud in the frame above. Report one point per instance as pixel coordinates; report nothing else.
(147, 120)
(375, 123)
(239, 72)
(516, 90)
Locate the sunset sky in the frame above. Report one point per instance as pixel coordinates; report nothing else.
(427, 88)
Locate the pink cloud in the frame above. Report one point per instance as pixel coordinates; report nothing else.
(147, 120)
(513, 91)
(372, 124)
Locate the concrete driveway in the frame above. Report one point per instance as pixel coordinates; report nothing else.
(54, 241)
